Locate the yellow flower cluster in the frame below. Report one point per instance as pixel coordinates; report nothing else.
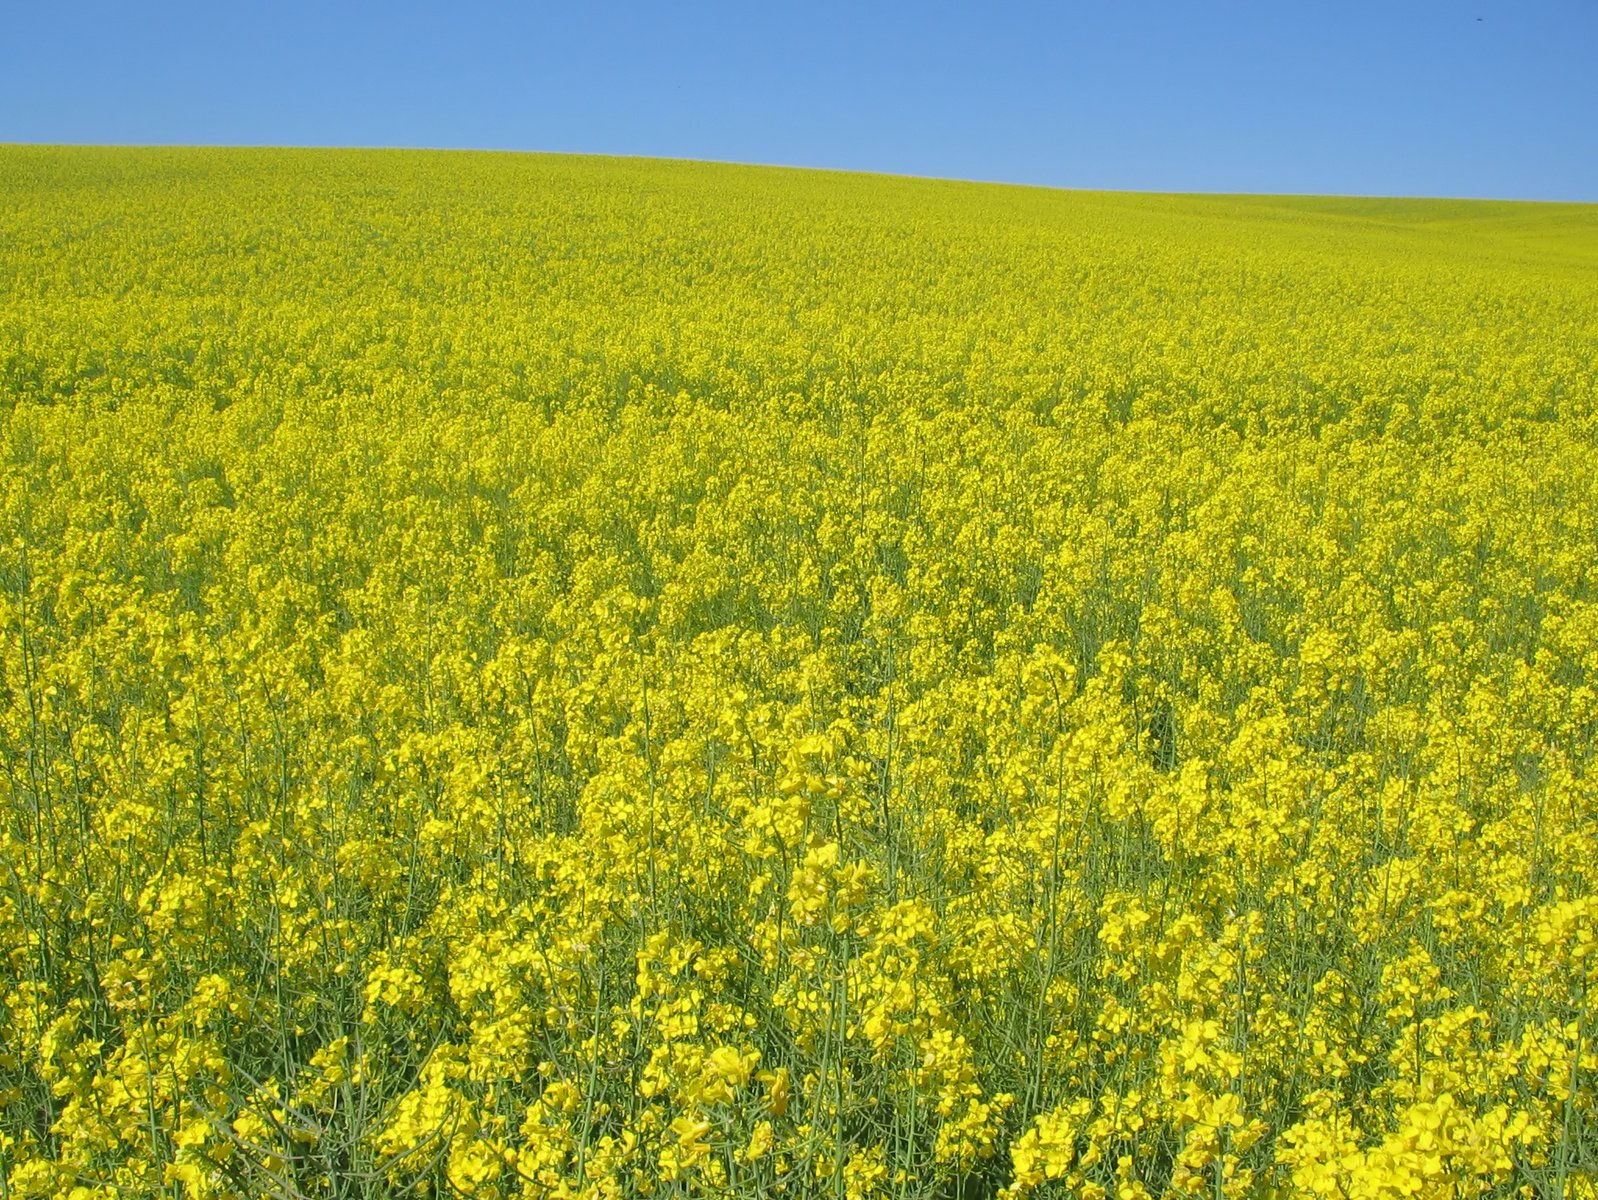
(583, 679)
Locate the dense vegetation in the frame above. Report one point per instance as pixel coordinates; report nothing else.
(563, 677)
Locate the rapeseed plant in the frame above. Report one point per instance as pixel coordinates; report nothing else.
(596, 679)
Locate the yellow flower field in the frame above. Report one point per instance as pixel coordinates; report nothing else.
(561, 677)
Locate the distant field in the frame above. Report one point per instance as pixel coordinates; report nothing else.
(574, 677)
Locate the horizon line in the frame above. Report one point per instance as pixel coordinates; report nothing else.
(776, 166)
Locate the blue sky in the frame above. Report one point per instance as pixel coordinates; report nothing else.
(1467, 98)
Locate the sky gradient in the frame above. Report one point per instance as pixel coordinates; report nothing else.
(1479, 98)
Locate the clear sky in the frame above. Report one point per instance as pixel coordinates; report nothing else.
(1375, 97)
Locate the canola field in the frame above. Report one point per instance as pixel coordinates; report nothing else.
(580, 678)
